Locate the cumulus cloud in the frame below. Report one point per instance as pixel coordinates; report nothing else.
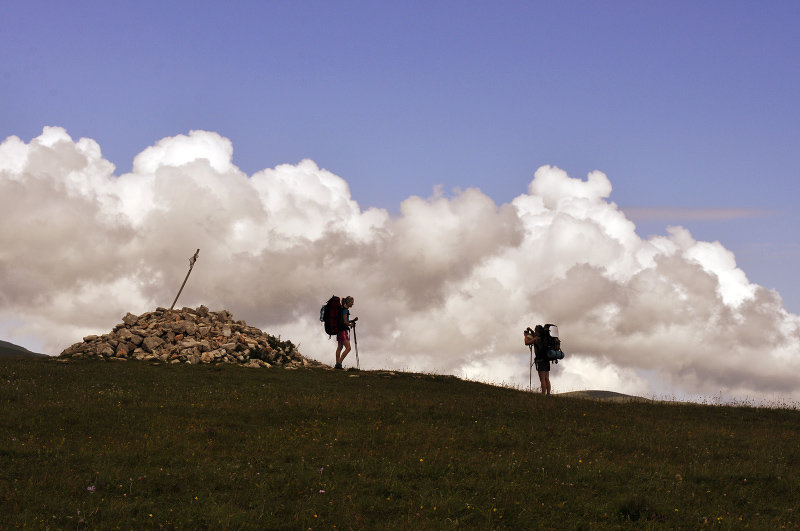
(446, 286)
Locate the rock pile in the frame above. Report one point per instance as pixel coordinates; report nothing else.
(189, 336)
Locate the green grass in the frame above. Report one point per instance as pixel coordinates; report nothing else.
(135, 445)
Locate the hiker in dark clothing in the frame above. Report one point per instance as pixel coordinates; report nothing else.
(540, 359)
(343, 336)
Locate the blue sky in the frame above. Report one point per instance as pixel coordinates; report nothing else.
(689, 108)
(687, 105)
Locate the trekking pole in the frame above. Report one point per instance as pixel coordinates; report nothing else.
(355, 339)
(530, 370)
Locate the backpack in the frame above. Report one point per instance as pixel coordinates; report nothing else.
(552, 345)
(331, 315)
(549, 342)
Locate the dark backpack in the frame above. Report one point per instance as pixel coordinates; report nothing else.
(552, 345)
(549, 342)
(331, 315)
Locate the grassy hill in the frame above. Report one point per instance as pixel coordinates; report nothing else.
(140, 445)
(603, 395)
(10, 350)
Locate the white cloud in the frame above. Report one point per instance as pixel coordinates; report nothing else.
(446, 286)
(178, 150)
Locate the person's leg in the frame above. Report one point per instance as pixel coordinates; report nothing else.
(547, 381)
(339, 347)
(543, 381)
(346, 350)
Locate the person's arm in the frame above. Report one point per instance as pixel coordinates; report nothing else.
(537, 347)
(346, 321)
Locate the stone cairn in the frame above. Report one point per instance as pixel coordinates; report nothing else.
(189, 336)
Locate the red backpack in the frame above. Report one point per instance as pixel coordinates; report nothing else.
(331, 315)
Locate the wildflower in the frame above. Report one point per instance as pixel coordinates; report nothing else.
(91, 488)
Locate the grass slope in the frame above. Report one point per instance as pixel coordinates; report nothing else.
(10, 350)
(603, 395)
(136, 445)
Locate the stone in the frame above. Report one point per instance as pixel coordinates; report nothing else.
(130, 319)
(99, 347)
(151, 342)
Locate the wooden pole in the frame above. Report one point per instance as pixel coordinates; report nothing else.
(192, 260)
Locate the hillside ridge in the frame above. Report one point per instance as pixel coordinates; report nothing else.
(10, 350)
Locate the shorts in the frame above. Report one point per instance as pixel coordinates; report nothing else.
(343, 335)
(542, 365)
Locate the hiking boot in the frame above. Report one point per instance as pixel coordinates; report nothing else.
(338, 366)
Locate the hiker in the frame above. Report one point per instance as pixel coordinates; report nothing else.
(343, 336)
(540, 359)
